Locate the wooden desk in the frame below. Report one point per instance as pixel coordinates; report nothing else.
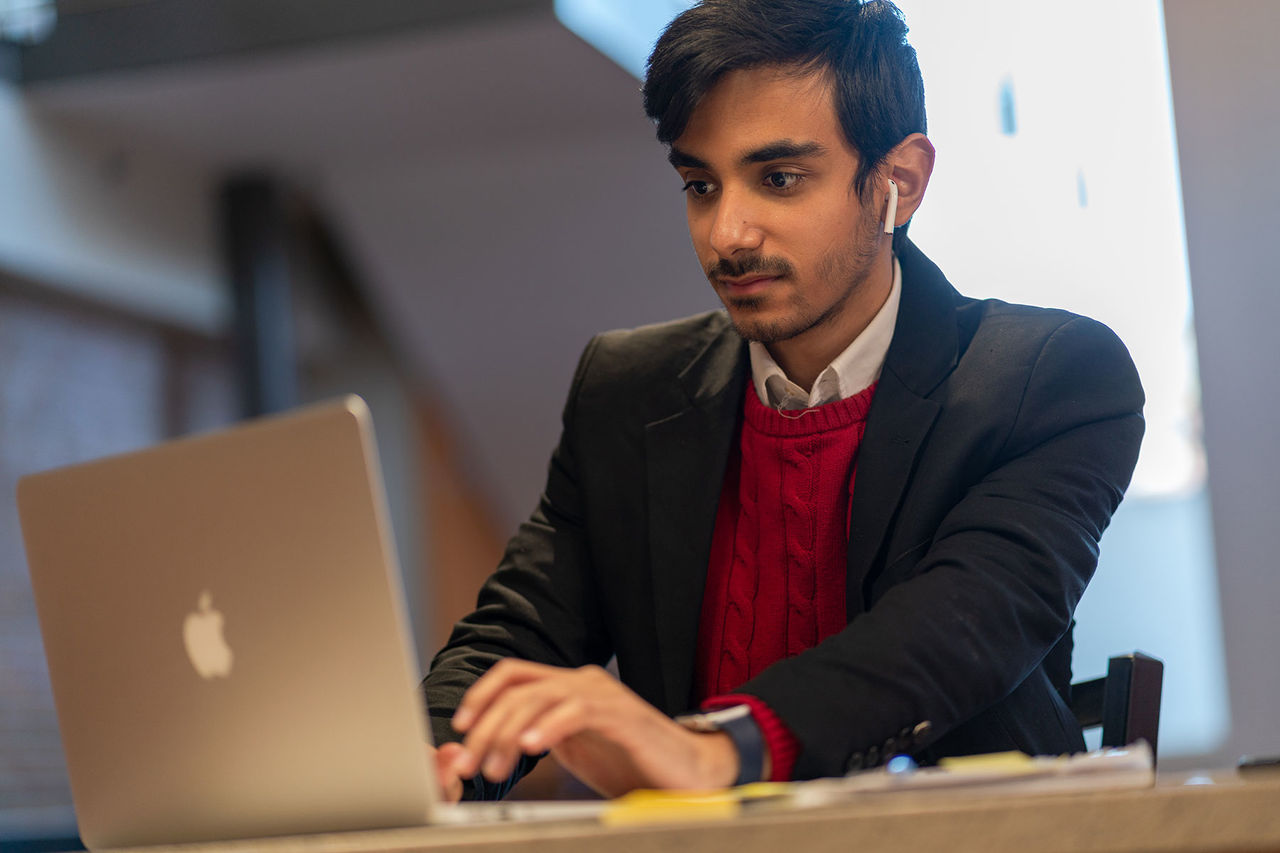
(1228, 815)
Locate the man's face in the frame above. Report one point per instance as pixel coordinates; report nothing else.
(774, 217)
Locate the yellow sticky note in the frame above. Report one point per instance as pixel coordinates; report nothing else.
(763, 790)
(641, 807)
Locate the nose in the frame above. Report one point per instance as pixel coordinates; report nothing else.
(734, 227)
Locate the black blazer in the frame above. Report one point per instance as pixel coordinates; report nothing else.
(1000, 440)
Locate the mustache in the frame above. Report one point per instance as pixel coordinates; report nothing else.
(749, 265)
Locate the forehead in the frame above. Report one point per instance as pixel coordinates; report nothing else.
(750, 108)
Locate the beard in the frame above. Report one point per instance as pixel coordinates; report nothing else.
(848, 266)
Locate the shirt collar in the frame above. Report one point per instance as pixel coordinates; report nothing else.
(849, 372)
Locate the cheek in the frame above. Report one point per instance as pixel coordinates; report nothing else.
(692, 217)
(838, 233)
(699, 230)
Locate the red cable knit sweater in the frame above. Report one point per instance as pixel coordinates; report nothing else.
(776, 579)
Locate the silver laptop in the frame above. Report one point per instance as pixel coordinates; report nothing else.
(225, 632)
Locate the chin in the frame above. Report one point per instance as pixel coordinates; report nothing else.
(760, 319)
(764, 330)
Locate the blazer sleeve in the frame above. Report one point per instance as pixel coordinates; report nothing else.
(968, 617)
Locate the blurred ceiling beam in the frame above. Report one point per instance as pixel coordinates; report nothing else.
(94, 37)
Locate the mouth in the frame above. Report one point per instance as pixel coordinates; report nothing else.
(746, 284)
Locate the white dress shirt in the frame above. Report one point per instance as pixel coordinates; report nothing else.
(848, 373)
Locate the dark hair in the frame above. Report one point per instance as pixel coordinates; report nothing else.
(879, 94)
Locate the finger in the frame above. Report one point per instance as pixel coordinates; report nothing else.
(447, 752)
(460, 762)
(446, 775)
(494, 739)
(448, 757)
(502, 675)
(521, 707)
(566, 719)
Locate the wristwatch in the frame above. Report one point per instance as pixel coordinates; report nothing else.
(735, 721)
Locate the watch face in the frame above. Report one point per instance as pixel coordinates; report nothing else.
(696, 723)
(727, 715)
(714, 721)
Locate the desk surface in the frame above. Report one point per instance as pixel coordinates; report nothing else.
(1230, 814)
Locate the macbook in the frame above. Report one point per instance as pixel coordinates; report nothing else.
(226, 636)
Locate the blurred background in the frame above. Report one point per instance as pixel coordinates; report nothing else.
(212, 209)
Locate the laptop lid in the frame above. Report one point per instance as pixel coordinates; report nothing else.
(225, 631)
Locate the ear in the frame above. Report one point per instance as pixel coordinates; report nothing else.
(909, 165)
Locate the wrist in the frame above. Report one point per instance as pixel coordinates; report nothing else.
(740, 735)
(718, 760)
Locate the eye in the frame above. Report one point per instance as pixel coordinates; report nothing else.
(697, 188)
(782, 180)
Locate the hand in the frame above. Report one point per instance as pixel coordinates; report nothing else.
(443, 759)
(601, 731)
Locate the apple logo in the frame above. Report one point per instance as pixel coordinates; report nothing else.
(202, 635)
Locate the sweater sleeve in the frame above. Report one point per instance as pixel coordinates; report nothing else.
(780, 744)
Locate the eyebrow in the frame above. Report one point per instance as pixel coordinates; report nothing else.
(681, 159)
(780, 150)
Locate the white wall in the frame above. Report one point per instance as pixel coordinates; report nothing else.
(1225, 72)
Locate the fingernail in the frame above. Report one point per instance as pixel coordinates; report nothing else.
(462, 718)
(531, 739)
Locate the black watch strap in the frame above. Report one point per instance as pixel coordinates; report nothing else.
(738, 723)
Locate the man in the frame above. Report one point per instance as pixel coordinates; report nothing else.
(855, 509)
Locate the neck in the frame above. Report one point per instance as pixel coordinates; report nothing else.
(803, 357)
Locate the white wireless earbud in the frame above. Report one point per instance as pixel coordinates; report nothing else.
(891, 212)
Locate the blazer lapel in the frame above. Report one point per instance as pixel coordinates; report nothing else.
(923, 352)
(686, 454)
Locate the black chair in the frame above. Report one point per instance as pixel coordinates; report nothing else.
(1126, 703)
